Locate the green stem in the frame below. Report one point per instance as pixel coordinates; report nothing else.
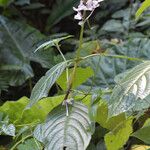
(67, 70)
(114, 56)
(80, 41)
(71, 80)
(13, 148)
(30, 85)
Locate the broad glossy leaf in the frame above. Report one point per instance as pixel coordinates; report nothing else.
(131, 93)
(43, 86)
(82, 74)
(18, 42)
(116, 140)
(65, 132)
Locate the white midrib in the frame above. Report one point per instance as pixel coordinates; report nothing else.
(143, 72)
(43, 86)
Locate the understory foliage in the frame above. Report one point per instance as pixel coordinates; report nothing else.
(91, 93)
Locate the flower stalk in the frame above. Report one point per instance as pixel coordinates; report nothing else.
(84, 6)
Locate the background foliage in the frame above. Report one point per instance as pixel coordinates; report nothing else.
(111, 90)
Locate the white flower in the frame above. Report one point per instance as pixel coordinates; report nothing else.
(81, 7)
(78, 16)
(89, 5)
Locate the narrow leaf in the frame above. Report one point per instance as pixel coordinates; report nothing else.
(51, 43)
(43, 86)
(144, 6)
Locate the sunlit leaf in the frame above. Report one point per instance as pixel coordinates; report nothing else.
(17, 114)
(144, 6)
(102, 117)
(82, 74)
(140, 147)
(115, 140)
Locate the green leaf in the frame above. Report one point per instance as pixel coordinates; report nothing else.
(30, 144)
(117, 125)
(82, 74)
(61, 131)
(104, 121)
(116, 139)
(5, 2)
(18, 42)
(113, 26)
(60, 10)
(43, 86)
(144, 6)
(106, 68)
(131, 93)
(22, 2)
(14, 109)
(43, 107)
(52, 43)
(17, 114)
(143, 133)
